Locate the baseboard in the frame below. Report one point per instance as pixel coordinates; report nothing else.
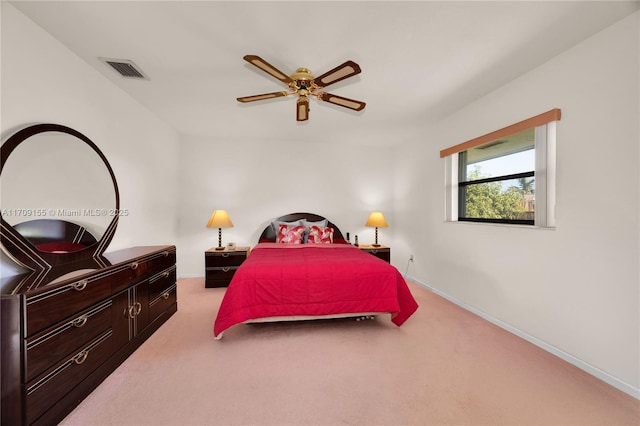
(594, 371)
(190, 276)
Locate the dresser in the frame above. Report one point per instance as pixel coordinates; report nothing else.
(61, 338)
(220, 265)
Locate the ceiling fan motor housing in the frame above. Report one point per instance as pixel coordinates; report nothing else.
(302, 80)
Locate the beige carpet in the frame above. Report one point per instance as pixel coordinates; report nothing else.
(445, 366)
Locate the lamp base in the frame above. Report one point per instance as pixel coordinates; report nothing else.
(375, 245)
(219, 248)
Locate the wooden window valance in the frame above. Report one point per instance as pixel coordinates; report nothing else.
(538, 120)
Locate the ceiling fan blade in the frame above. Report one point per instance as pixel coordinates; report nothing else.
(346, 70)
(343, 102)
(265, 66)
(262, 97)
(302, 109)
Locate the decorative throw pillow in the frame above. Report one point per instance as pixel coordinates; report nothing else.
(290, 234)
(320, 235)
(275, 224)
(321, 223)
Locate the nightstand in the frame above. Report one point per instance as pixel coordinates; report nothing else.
(220, 265)
(382, 252)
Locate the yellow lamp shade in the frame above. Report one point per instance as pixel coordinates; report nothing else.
(376, 219)
(219, 219)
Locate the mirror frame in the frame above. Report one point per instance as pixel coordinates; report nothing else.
(18, 248)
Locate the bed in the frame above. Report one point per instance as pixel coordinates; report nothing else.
(302, 268)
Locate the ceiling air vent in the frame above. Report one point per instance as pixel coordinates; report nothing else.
(125, 68)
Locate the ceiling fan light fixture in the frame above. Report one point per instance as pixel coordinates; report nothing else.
(302, 109)
(304, 84)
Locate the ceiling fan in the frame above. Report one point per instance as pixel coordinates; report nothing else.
(304, 84)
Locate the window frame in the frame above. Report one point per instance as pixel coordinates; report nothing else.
(544, 173)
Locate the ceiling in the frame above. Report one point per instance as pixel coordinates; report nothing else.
(420, 60)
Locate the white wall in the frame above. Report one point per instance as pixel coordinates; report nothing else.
(575, 288)
(256, 183)
(170, 183)
(42, 81)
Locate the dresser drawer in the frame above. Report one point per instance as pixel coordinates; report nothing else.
(225, 258)
(162, 301)
(382, 252)
(160, 282)
(219, 276)
(52, 345)
(58, 304)
(66, 374)
(130, 274)
(162, 261)
(141, 269)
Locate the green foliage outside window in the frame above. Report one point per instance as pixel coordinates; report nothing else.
(490, 201)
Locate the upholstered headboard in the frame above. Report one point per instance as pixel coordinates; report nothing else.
(269, 234)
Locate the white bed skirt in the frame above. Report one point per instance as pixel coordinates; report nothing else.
(357, 315)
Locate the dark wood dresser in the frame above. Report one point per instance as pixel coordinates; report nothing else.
(61, 338)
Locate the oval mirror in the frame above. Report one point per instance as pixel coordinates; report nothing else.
(60, 199)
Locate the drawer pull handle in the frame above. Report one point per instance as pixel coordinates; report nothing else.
(133, 310)
(128, 312)
(225, 269)
(165, 275)
(226, 254)
(134, 265)
(81, 357)
(165, 253)
(80, 321)
(165, 295)
(80, 285)
(374, 251)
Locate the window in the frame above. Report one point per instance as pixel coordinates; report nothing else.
(507, 176)
(496, 181)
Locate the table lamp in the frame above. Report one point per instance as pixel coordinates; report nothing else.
(219, 219)
(376, 219)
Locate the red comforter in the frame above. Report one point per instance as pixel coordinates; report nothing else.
(313, 279)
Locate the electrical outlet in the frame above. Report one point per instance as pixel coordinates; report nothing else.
(410, 258)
